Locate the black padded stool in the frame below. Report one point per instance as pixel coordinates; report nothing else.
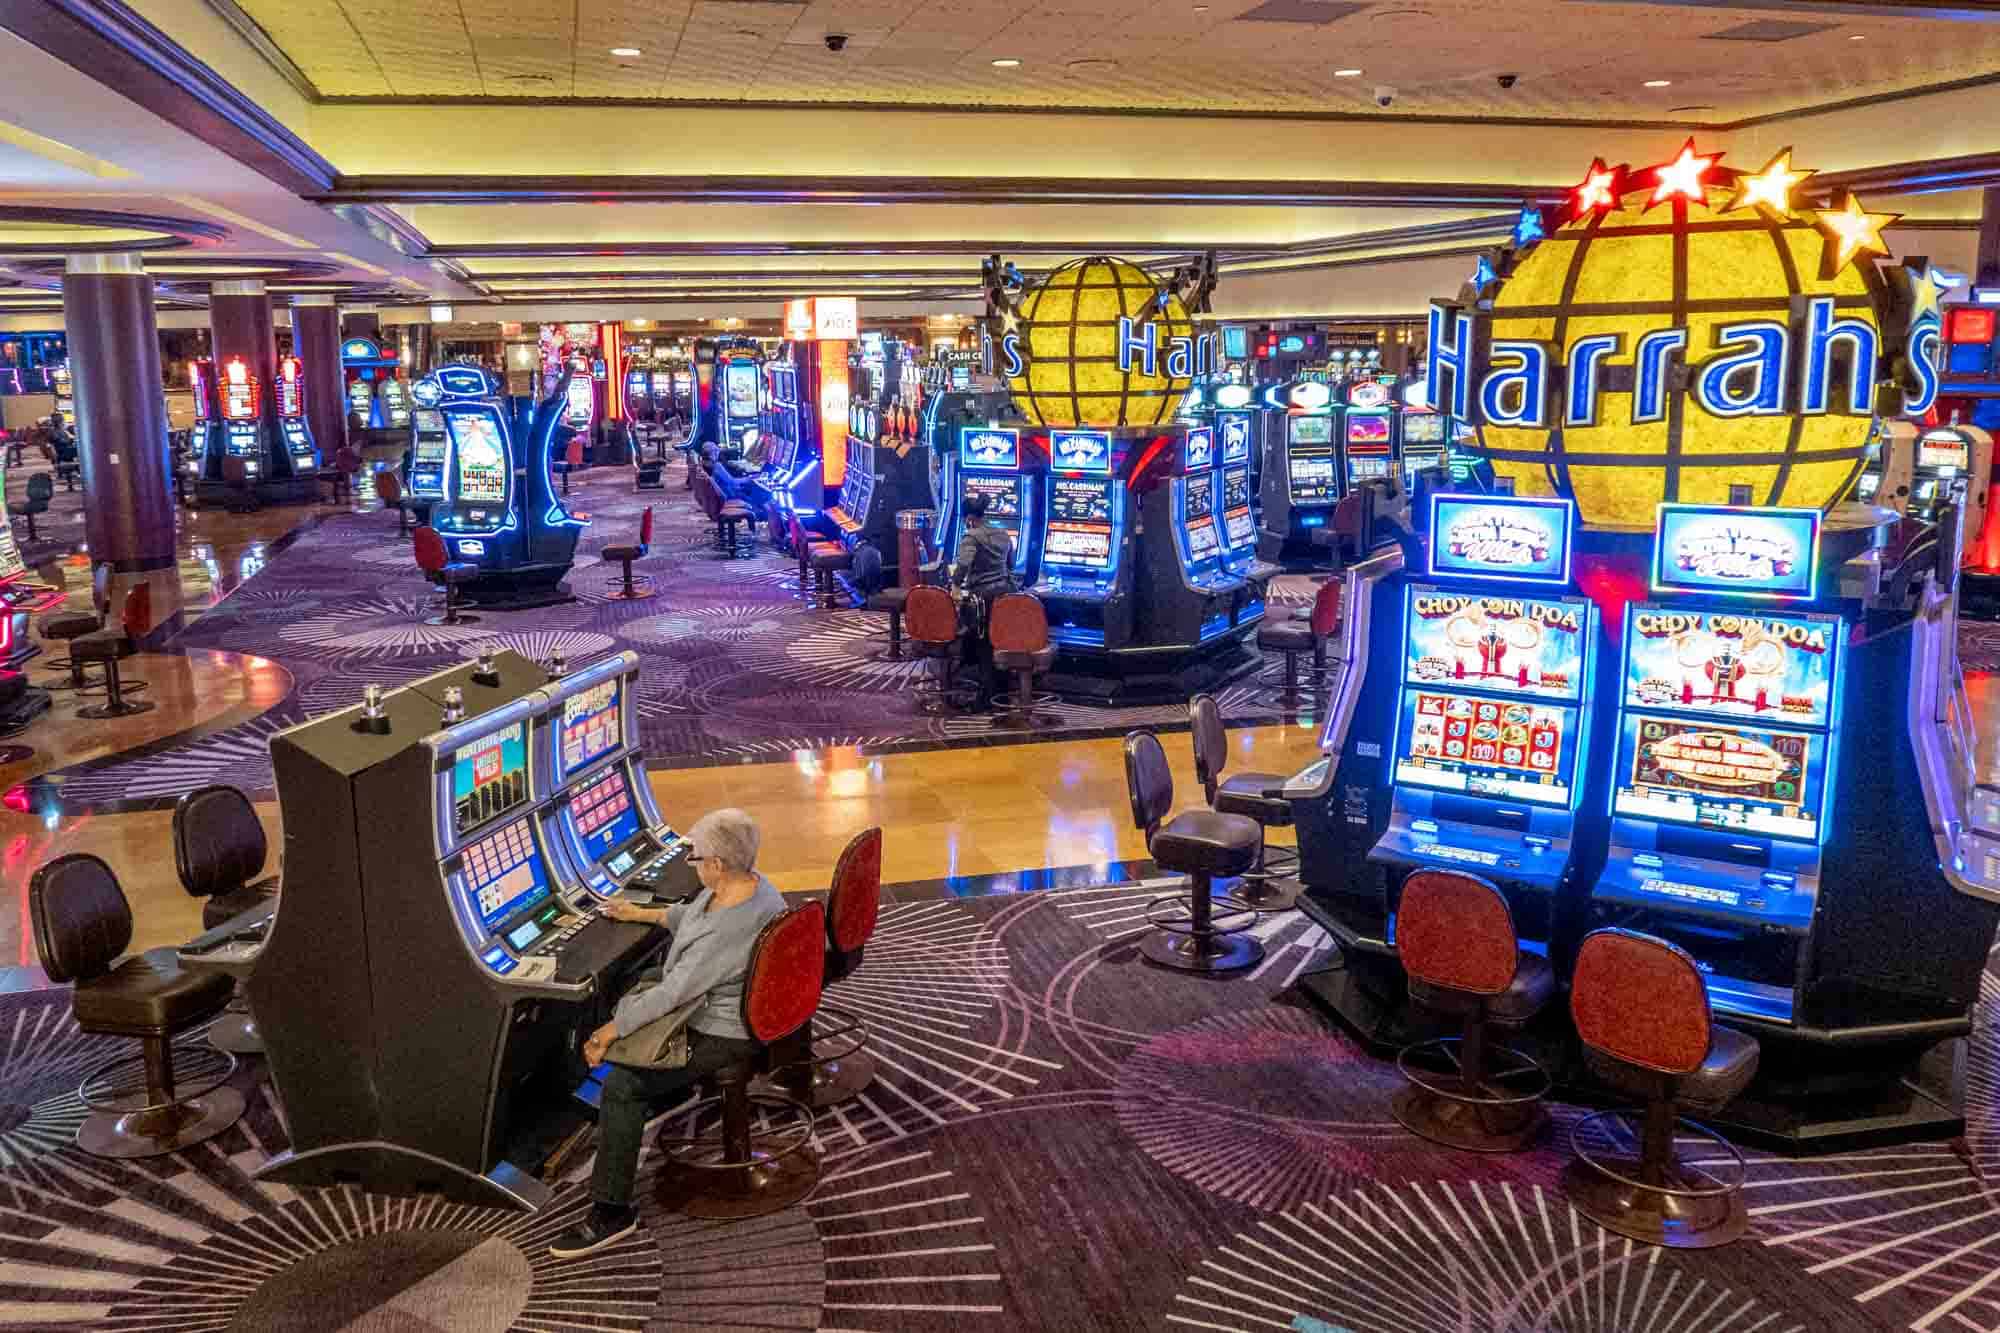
(1201, 845)
(111, 645)
(826, 559)
(1641, 1011)
(1455, 938)
(1258, 796)
(67, 627)
(1297, 636)
(628, 590)
(892, 601)
(41, 489)
(82, 924)
(219, 851)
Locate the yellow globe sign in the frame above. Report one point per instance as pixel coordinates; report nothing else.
(1685, 331)
(1095, 346)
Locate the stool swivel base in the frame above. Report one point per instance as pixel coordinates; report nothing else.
(1187, 938)
(1652, 1196)
(1498, 1109)
(128, 1123)
(734, 1173)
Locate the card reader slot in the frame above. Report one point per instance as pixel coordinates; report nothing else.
(1705, 845)
(1463, 810)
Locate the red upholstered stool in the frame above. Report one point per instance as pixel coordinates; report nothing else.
(840, 1067)
(627, 589)
(1641, 1011)
(930, 620)
(1455, 937)
(1018, 629)
(389, 487)
(1201, 844)
(1258, 796)
(439, 567)
(746, 1171)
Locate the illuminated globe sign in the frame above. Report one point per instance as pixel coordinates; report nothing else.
(1096, 345)
(1687, 328)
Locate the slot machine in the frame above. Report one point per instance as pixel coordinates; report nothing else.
(638, 394)
(1368, 433)
(65, 393)
(301, 453)
(393, 399)
(888, 463)
(660, 388)
(780, 446)
(1302, 479)
(1085, 576)
(1237, 500)
(425, 980)
(204, 462)
(849, 511)
(243, 434)
(1490, 763)
(1185, 591)
(1778, 786)
(1422, 435)
(20, 597)
(969, 451)
(430, 443)
(738, 403)
(579, 410)
(1954, 466)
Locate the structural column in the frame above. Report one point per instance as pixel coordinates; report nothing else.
(361, 324)
(121, 412)
(316, 341)
(239, 325)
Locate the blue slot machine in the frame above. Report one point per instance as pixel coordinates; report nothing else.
(301, 454)
(1301, 479)
(738, 400)
(989, 465)
(1494, 714)
(1085, 580)
(1237, 499)
(1186, 592)
(1198, 534)
(430, 444)
(204, 462)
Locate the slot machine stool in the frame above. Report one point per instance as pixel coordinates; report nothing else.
(440, 568)
(627, 589)
(1200, 844)
(892, 601)
(1258, 796)
(1455, 938)
(1018, 629)
(827, 559)
(930, 619)
(837, 1066)
(82, 923)
(738, 1172)
(1641, 1012)
(219, 851)
(111, 645)
(1294, 637)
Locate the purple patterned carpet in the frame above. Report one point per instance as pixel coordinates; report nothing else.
(735, 665)
(1061, 1138)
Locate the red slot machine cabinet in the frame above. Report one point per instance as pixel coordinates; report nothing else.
(241, 394)
(301, 452)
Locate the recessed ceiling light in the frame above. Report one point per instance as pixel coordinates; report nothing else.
(626, 51)
(1659, 83)
(1857, 37)
(1006, 62)
(1090, 64)
(1347, 74)
(1692, 106)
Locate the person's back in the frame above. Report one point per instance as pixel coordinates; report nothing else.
(986, 560)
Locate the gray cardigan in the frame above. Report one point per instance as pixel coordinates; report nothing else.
(709, 955)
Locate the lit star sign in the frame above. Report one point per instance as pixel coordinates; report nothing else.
(1769, 190)
(1851, 231)
(1599, 190)
(1682, 177)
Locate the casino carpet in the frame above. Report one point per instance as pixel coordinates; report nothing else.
(1061, 1138)
(734, 665)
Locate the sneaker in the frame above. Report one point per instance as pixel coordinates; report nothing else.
(601, 1226)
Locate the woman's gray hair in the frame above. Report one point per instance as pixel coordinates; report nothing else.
(729, 836)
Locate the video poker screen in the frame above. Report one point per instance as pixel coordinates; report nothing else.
(505, 875)
(1720, 775)
(1503, 749)
(489, 777)
(604, 814)
(1531, 646)
(593, 724)
(1778, 669)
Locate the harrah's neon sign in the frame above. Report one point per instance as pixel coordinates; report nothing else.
(1138, 345)
(1815, 363)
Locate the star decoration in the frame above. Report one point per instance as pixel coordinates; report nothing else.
(1484, 275)
(1770, 190)
(1598, 191)
(1529, 227)
(1682, 178)
(1851, 231)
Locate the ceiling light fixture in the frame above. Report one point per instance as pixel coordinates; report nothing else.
(1659, 83)
(1857, 37)
(1006, 62)
(1347, 74)
(626, 52)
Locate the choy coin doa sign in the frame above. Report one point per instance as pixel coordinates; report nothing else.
(1685, 328)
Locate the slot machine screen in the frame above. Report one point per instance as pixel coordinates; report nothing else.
(1235, 488)
(1423, 428)
(1515, 540)
(604, 813)
(1944, 450)
(1080, 450)
(1079, 531)
(1201, 496)
(489, 777)
(1503, 749)
(593, 724)
(1720, 775)
(1003, 496)
(1311, 429)
(482, 458)
(1527, 646)
(1235, 438)
(1199, 452)
(1775, 669)
(1368, 428)
(986, 447)
(580, 404)
(11, 564)
(430, 421)
(1202, 542)
(739, 387)
(505, 876)
(1764, 554)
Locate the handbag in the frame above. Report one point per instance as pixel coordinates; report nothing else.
(661, 1044)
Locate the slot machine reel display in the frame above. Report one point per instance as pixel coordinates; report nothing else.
(1767, 756)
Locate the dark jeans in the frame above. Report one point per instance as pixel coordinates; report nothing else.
(632, 1097)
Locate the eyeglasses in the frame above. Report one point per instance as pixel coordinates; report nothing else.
(697, 860)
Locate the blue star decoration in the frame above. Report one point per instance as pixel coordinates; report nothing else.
(1485, 275)
(1530, 227)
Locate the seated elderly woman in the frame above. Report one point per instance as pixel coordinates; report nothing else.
(713, 935)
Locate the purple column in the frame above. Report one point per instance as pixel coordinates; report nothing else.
(316, 335)
(121, 411)
(239, 325)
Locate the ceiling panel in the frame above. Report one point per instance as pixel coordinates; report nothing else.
(1573, 57)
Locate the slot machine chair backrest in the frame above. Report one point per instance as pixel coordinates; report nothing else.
(434, 559)
(1258, 796)
(41, 489)
(836, 1065)
(219, 851)
(1641, 1012)
(83, 925)
(1455, 938)
(66, 626)
(1018, 629)
(1295, 636)
(930, 623)
(1201, 844)
(572, 460)
(746, 1170)
(340, 477)
(112, 644)
(389, 487)
(627, 590)
(68, 466)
